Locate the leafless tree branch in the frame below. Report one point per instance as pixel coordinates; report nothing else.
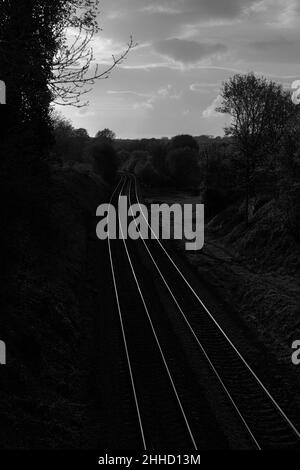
(73, 71)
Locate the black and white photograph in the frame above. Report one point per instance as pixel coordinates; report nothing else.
(150, 231)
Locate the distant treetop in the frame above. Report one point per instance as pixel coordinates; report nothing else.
(106, 134)
(184, 141)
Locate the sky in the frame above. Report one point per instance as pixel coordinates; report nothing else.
(170, 82)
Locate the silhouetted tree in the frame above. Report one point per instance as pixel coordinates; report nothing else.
(81, 133)
(27, 48)
(184, 141)
(70, 144)
(106, 135)
(260, 111)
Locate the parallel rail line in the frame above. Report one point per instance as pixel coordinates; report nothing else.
(213, 335)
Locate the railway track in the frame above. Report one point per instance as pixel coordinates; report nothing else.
(167, 400)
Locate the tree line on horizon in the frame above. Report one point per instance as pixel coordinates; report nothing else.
(259, 155)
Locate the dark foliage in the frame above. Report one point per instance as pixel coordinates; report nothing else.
(262, 114)
(70, 144)
(105, 160)
(182, 165)
(184, 141)
(106, 135)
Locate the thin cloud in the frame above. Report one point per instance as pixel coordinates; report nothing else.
(164, 93)
(188, 52)
(161, 9)
(195, 8)
(277, 50)
(202, 87)
(127, 92)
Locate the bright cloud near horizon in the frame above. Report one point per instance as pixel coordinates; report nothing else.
(170, 83)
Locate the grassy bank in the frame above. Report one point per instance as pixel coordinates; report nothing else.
(254, 269)
(44, 389)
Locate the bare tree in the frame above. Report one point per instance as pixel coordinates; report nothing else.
(74, 70)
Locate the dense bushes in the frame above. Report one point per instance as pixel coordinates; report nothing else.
(184, 141)
(165, 163)
(148, 175)
(136, 159)
(123, 157)
(291, 206)
(76, 147)
(182, 165)
(69, 143)
(105, 160)
(46, 304)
